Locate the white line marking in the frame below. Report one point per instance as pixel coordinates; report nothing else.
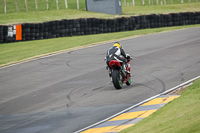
(90, 45)
(140, 103)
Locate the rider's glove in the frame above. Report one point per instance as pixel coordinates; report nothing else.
(128, 56)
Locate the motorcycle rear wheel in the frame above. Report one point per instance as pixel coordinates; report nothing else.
(117, 79)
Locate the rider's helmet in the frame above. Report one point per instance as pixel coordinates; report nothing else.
(117, 44)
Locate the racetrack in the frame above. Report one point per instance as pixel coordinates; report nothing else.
(69, 91)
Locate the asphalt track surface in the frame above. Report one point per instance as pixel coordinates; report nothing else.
(69, 91)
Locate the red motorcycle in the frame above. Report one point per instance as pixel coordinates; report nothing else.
(119, 77)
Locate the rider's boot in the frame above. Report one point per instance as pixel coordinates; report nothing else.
(109, 71)
(125, 69)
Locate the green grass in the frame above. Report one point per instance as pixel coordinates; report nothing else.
(41, 16)
(182, 115)
(141, 10)
(18, 51)
(22, 50)
(42, 5)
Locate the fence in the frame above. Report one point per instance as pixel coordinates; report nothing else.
(8, 6)
(155, 2)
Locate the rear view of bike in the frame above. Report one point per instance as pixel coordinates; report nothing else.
(119, 77)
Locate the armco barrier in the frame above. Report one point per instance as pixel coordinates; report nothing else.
(87, 26)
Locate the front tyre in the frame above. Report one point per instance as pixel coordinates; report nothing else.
(117, 79)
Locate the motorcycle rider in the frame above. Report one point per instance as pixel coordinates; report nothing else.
(117, 53)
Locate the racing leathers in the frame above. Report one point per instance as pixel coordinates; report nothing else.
(116, 53)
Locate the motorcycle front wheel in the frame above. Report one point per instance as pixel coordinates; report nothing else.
(117, 79)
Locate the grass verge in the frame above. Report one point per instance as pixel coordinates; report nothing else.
(19, 51)
(41, 16)
(180, 116)
(144, 10)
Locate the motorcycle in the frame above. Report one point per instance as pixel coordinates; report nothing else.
(119, 77)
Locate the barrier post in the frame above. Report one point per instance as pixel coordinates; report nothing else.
(57, 4)
(26, 5)
(47, 4)
(18, 32)
(5, 7)
(143, 2)
(133, 2)
(182, 1)
(36, 5)
(125, 2)
(66, 5)
(16, 4)
(77, 4)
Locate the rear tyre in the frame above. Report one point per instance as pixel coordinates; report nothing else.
(117, 79)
